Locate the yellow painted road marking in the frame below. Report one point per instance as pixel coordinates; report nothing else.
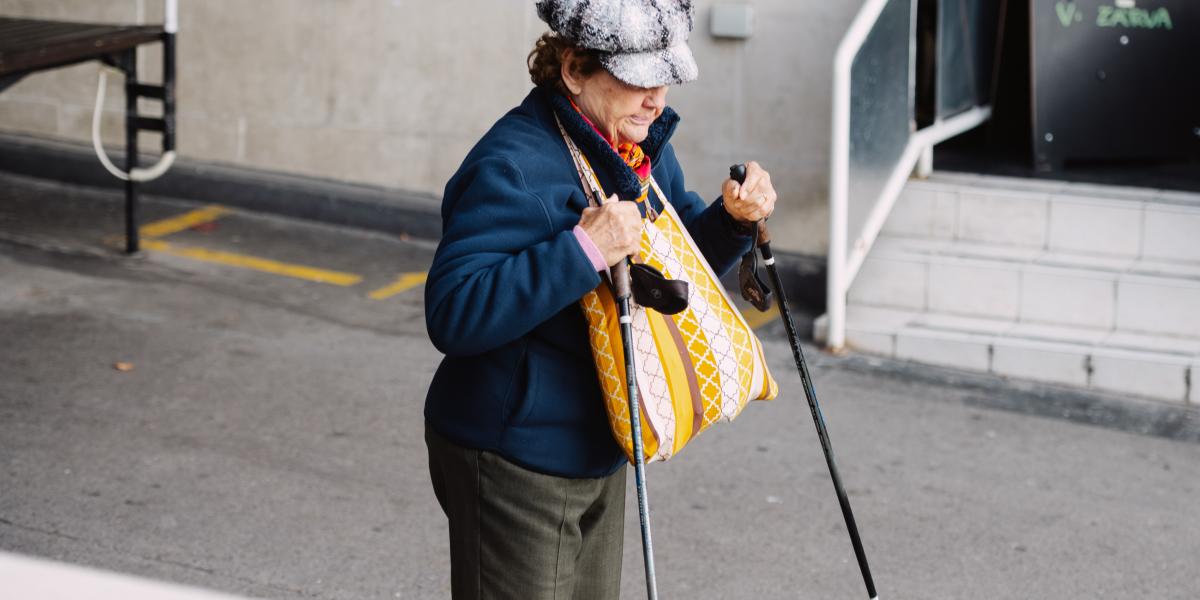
(406, 282)
(757, 319)
(254, 263)
(186, 220)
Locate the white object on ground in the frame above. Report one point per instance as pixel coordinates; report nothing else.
(28, 577)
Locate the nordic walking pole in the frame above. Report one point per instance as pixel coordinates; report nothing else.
(622, 290)
(620, 278)
(738, 174)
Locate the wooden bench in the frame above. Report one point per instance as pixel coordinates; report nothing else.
(28, 46)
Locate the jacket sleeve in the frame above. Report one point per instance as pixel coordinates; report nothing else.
(500, 269)
(709, 224)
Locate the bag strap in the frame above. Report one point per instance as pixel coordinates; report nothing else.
(658, 191)
(587, 177)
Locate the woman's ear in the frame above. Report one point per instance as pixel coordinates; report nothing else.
(570, 75)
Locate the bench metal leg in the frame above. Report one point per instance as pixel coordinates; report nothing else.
(126, 62)
(129, 66)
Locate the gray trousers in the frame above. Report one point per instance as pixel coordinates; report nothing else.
(523, 535)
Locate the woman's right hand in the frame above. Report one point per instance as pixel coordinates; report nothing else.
(614, 227)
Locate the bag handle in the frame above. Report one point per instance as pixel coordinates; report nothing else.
(587, 177)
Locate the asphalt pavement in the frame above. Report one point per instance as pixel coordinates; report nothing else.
(239, 408)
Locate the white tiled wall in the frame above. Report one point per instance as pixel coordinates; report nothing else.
(1053, 363)
(924, 211)
(1003, 217)
(1163, 377)
(964, 352)
(1172, 233)
(974, 288)
(1158, 305)
(1064, 296)
(1082, 225)
(886, 281)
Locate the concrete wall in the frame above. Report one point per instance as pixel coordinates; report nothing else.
(394, 92)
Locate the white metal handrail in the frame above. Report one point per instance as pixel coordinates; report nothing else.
(844, 261)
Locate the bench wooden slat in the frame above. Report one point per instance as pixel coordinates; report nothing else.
(31, 44)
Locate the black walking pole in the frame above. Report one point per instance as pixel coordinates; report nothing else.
(622, 290)
(738, 174)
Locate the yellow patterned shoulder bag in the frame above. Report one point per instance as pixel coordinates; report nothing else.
(694, 368)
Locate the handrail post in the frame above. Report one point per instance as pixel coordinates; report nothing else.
(839, 170)
(835, 286)
(844, 260)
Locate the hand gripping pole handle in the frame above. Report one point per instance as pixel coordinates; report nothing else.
(738, 173)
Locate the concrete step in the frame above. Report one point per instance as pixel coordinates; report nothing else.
(1051, 215)
(1077, 284)
(1159, 367)
(1031, 285)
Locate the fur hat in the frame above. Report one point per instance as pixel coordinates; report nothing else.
(641, 42)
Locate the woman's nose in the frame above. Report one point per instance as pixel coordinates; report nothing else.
(656, 97)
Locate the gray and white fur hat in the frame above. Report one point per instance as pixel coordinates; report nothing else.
(640, 42)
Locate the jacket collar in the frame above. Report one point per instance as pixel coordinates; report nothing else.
(615, 175)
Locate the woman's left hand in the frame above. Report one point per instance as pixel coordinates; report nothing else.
(753, 200)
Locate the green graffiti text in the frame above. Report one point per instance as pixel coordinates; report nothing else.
(1067, 13)
(1138, 18)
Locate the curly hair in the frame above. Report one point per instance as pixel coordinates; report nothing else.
(546, 59)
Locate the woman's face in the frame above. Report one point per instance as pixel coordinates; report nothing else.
(622, 112)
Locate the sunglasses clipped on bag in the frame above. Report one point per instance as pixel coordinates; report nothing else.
(652, 289)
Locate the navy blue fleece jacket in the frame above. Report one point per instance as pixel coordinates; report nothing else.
(502, 298)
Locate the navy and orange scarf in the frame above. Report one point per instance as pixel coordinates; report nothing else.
(630, 153)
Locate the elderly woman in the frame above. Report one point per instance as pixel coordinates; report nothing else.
(520, 452)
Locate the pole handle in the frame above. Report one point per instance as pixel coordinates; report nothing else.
(764, 236)
(620, 279)
(738, 173)
(618, 273)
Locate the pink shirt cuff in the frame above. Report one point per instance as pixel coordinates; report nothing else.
(589, 248)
